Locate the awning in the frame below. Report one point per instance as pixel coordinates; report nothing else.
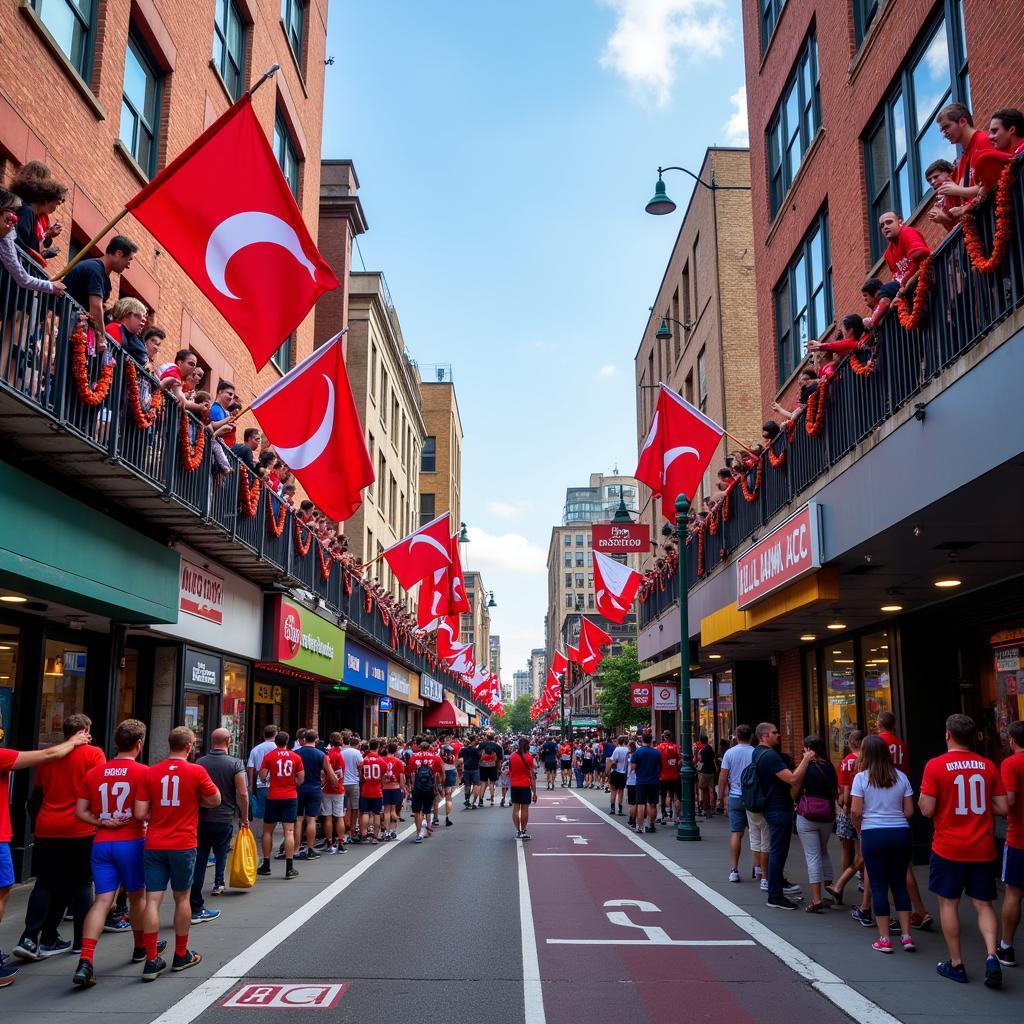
(445, 716)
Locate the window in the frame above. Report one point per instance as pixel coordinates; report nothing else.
(696, 272)
(905, 139)
(426, 509)
(286, 153)
(567, 559)
(72, 24)
(840, 697)
(688, 387)
(229, 45)
(568, 579)
(579, 581)
(771, 11)
(285, 355)
(875, 678)
(702, 378)
(428, 456)
(590, 600)
(795, 123)
(291, 15)
(568, 601)
(140, 104)
(373, 372)
(369, 546)
(392, 500)
(383, 397)
(803, 298)
(371, 444)
(381, 477)
(864, 12)
(579, 540)
(590, 579)
(579, 558)
(567, 539)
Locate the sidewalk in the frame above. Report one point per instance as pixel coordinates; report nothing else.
(904, 984)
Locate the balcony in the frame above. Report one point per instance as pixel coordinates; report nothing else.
(136, 471)
(965, 307)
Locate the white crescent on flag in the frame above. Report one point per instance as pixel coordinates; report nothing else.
(673, 453)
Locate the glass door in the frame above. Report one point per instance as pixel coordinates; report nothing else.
(840, 697)
(63, 689)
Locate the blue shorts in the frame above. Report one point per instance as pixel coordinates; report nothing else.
(119, 863)
(737, 815)
(258, 803)
(371, 804)
(470, 778)
(451, 776)
(952, 878)
(309, 803)
(1013, 867)
(175, 866)
(393, 797)
(6, 866)
(284, 811)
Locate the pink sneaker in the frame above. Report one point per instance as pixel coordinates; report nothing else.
(908, 944)
(882, 945)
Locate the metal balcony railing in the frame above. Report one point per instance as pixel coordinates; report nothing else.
(964, 306)
(36, 370)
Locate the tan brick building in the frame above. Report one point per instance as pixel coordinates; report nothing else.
(106, 94)
(441, 458)
(341, 219)
(475, 626)
(708, 285)
(538, 671)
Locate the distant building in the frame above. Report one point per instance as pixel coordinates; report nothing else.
(521, 684)
(538, 671)
(441, 455)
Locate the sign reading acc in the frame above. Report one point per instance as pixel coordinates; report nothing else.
(306, 996)
(641, 695)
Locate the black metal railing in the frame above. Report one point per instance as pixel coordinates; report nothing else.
(36, 367)
(964, 306)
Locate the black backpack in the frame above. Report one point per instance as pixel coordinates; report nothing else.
(754, 796)
(423, 780)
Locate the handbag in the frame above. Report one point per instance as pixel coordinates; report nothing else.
(815, 808)
(242, 869)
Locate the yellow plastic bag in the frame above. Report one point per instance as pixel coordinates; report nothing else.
(242, 869)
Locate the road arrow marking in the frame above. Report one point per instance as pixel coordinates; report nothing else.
(577, 840)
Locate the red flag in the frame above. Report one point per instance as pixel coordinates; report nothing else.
(558, 663)
(310, 418)
(592, 639)
(443, 592)
(447, 635)
(679, 446)
(616, 586)
(226, 214)
(574, 653)
(422, 553)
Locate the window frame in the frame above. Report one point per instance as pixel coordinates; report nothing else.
(150, 65)
(283, 133)
(83, 65)
(283, 356)
(768, 15)
(428, 451)
(220, 34)
(864, 14)
(287, 9)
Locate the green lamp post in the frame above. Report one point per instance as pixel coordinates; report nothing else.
(687, 830)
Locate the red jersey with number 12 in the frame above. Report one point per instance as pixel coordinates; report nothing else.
(963, 784)
(173, 788)
(284, 765)
(111, 790)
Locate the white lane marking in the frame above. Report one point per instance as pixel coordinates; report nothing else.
(578, 840)
(830, 985)
(563, 818)
(648, 942)
(588, 854)
(533, 996)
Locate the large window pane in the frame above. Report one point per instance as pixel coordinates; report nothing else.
(63, 691)
(71, 25)
(930, 77)
(229, 45)
(840, 698)
(288, 159)
(874, 659)
(140, 105)
(815, 722)
(233, 701)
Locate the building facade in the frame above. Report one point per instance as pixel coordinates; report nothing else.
(538, 671)
(441, 457)
(475, 626)
(522, 685)
(341, 220)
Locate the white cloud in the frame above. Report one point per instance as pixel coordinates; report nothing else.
(508, 552)
(608, 370)
(507, 509)
(736, 126)
(649, 35)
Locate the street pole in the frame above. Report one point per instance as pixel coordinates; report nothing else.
(687, 830)
(561, 697)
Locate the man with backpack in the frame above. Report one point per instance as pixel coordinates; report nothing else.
(425, 772)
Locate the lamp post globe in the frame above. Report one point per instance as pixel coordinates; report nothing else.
(660, 204)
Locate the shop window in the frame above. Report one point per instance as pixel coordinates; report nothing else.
(1008, 665)
(812, 694)
(840, 698)
(63, 689)
(723, 691)
(233, 704)
(874, 660)
(9, 644)
(128, 682)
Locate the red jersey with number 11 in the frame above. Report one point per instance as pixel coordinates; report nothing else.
(963, 784)
(173, 788)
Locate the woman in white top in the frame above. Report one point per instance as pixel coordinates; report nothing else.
(882, 803)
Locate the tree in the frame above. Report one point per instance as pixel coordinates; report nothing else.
(517, 717)
(614, 678)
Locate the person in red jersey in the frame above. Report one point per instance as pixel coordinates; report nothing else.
(334, 799)
(957, 125)
(1012, 772)
(371, 792)
(669, 781)
(960, 792)
(393, 787)
(284, 770)
(169, 797)
(62, 858)
(424, 774)
(106, 802)
(12, 760)
(522, 771)
(905, 251)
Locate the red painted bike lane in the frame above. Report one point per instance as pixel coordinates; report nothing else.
(619, 938)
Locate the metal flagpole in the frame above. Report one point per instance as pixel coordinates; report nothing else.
(687, 830)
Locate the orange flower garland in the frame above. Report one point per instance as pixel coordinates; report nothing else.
(864, 369)
(912, 317)
(143, 420)
(88, 394)
(814, 414)
(191, 454)
(777, 459)
(751, 495)
(1004, 225)
(303, 549)
(276, 525)
(248, 494)
(325, 562)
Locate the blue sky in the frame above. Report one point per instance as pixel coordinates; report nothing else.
(505, 153)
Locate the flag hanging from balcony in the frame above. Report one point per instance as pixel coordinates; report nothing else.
(226, 214)
(422, 553)
(615, 587)
(443, 592)
(310, 418)
(678, 448)
(592, 639)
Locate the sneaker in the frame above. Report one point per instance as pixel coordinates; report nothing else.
(55, 948)
(301, 855)
(921, 921)
(519, 834)
(320, 844)
(418, 839)
(764, 885)
(27, 949)
(947, 970)
(153, 969)
(882, 945)
(263, 869)
(290, 874)
(217, 890)
(907, 942)
(190, 959)
(791, 888)
(650, 828)
(331, 851)
(863, 917)
(8, 972)
(117, 922)
(734, 875)
(280, 855)
(780, 903)
(1006, 956)
(993, 973)
(204, 915)
(447, 824)
(894, 927)
(139, 952)
(525, 835)
(502, 804)
(84, 976)
(611, 810)
(312, 855)
(437, 821)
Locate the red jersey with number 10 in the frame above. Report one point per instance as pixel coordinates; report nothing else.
(963, 784)
(284, 765)
(173, 788)
(111, 790)
(372, 773)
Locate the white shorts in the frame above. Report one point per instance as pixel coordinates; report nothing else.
(759, 841)
(333, 805)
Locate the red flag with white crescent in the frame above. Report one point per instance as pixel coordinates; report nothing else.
(615, 587)
(559, 662)
(422, 553)
(592, 639)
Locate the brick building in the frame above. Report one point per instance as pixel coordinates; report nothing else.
(441, 458)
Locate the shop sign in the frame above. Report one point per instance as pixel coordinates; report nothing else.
(386, 704)
(640, 695)
(203, 671)
(301, 639)
(364, 670)
(74, 663)
(621, 538)
(1008, 659)
(666, 698)
(265, 693)
(790, 552)
(200, 592)
(431, 688)
(398, 682)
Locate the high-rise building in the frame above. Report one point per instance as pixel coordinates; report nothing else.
(538, 671)
(494, 664)
(521, 684)
(475, 625)
(441, 456)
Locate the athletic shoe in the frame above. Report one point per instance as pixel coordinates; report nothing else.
(780, 903)
(217, 890)
(502, 804)
(734, 875)
(447, 824)
(263, 869)
(764, 885)
(947, 970)
(882, 945)
(320, 844)
(190, 959)
(1006, 956)
(418, 839)
(280, 855)
(331, 851)
(204, 915)
(312, 855)
(139, 952)
(650, 828)
(993, 973)
(84, 976)
(437, 821)
(153, 969)
(8, 972)
(908, 944)
(895, 927)
(863, 917)
(27, 949)
(611, 810)
(291, 874)
(117, 922)
(526, 835)
(55, 948)
(519, 834)
(790, 888)
(921, 921)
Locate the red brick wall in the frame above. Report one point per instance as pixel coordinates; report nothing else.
(791, 701)
(852, 88)
(45, 115)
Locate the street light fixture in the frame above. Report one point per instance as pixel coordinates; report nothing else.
(622, 515)
(660, 204)
(491, 603)
(463, 534)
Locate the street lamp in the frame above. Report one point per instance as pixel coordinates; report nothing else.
(463, 534)
(660, 204)
(687, 830)
(622, 515)
(491, 603)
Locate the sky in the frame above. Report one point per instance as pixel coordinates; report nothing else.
(505, 152)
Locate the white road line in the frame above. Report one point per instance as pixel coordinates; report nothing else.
(830, 985)
(533, 997)
(588, 854)
(647, 942)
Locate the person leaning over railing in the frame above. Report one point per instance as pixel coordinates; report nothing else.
(808, 381)
(88, 283)
(127, 322)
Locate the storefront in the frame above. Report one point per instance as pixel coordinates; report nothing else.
(403, 711)
(432, 696)
(350, 702)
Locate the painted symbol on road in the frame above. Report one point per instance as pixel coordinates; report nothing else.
(577, 840)
(620, 917)
(562, 817)
(286, 997)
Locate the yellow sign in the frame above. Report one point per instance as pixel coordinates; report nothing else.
(264, 693)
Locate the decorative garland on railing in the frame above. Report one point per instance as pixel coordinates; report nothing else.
(748, 494)
(324, 561)
(912, 317)
(868, 368)
(88, 394)
(1003, 222)
(303, 549)
(248, 494)
(276, 524)
(191, 453)
(346, 579)
(143, 419)
(814, 414)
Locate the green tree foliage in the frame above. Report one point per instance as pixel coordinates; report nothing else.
(517, 717)
(614, 678)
